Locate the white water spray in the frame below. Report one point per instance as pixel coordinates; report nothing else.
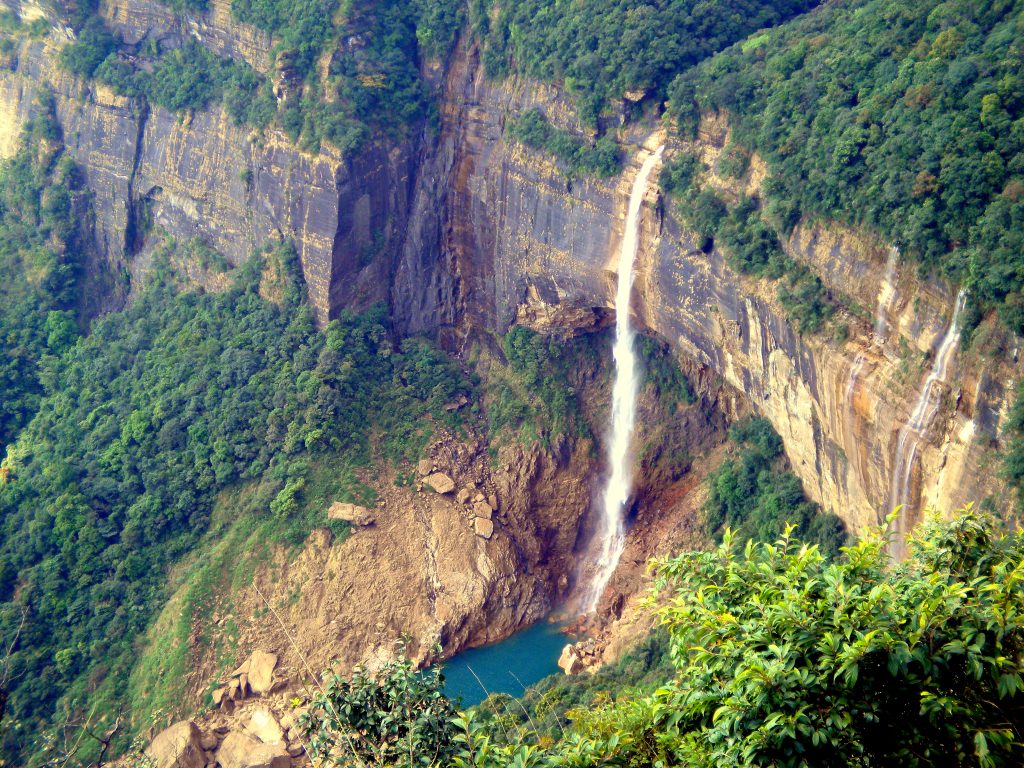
(886, 297)
(610, 533)
(908, 443)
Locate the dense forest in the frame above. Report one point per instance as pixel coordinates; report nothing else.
(41, 255)
(902, 118)
(606, 48)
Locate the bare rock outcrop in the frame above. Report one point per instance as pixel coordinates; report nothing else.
(350, 513)
(265, 727)
(440, 482)
(239, 750)
(179, 746)
(258, 669)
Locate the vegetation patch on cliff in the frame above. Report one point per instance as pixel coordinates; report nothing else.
(602, 158)
(755, 496)
(42, 198)
(749, 236)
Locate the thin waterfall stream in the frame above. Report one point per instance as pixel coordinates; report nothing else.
(610, 533)
(886, 299)
(908, 443)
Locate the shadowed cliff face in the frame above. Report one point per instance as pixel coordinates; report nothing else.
(508, 236)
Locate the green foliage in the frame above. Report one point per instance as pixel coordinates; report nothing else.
(733, 162)
(599, 159)
(661, 370)
(756, 497)
(192, 78)
(535, 396)
(396, 717)
(679, 174)
(787, 657)
(1013, 435)
(92, 45)
(902, 118)
(602, 49)
(372, 86)
(41, 196)
(147, 419)
(703, 214)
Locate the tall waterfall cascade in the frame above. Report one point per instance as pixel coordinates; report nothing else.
(609, 537)
(911, 436)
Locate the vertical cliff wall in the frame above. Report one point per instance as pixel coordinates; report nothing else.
(501, 232)
(200, 175)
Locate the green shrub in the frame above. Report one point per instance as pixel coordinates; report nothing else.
(754, 495)
(601, 158)
(787, 657)
(92, 45)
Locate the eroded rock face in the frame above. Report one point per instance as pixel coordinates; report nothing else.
(514, 239)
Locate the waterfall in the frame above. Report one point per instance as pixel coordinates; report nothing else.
(884, 303)
(886, 297)
(610, 533)
(908, 443)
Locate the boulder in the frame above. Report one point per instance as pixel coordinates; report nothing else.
(350, 513)
(463, 496)
(441, 482)
(483, 527)
(493, 501)
(264, 726)
(261, 671)
(483, 509)
(570, 661)
(179, 746)
(209, 741)
(425, 467)
(239, 750)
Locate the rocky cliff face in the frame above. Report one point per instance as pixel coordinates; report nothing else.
(511, 236)
(203, 176)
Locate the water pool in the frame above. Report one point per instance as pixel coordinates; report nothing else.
(505, 667)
